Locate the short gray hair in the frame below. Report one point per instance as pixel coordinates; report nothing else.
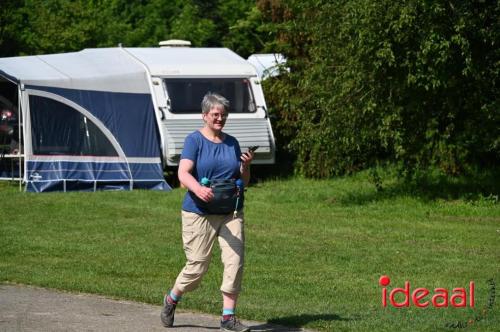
(212, 99)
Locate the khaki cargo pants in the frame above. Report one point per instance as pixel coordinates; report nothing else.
(198, 235)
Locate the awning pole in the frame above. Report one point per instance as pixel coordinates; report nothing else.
(20, 146)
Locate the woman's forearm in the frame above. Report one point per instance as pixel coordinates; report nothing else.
(188, 180)
(245, 173)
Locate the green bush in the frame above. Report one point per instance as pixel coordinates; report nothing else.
(415, 82)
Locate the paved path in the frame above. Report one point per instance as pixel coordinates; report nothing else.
(25, 308)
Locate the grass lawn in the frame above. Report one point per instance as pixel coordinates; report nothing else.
(315, 249)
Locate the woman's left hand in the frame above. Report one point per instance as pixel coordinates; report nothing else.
(246, 159)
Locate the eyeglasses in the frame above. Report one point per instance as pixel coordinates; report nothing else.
(214, 116)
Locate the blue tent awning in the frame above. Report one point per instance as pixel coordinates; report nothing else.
(89, 121)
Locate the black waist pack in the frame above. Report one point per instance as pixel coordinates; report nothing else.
(225, 197)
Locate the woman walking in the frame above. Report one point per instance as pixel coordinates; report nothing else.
(210, 155)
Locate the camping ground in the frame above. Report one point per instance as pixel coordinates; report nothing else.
(315, 249)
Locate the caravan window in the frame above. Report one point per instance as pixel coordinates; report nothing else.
(58, 129)
(186, 94)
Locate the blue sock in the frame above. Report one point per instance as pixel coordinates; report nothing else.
(174, 297)
(227, 313)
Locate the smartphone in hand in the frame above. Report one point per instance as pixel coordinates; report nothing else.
(253, 148)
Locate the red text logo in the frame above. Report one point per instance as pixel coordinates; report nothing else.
(423, 297)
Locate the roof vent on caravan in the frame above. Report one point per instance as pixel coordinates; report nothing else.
(175, 43)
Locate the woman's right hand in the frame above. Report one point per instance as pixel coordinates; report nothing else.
(204, 193)
(185, 177)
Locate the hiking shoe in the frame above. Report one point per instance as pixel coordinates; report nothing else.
(167, 313)
(233, 324)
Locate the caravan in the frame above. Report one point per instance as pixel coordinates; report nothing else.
(115, 118)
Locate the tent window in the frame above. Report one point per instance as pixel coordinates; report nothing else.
(58, 129)
(186, 94)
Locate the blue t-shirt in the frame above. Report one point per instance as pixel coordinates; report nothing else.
(219, 161)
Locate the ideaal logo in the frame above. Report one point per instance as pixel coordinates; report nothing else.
(460, 297)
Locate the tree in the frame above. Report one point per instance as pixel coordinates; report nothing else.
(189, 24)
(10, 25)
(415, 82)
(52, 26)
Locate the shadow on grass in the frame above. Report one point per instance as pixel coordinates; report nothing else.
(481, 186)
(302, 320)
